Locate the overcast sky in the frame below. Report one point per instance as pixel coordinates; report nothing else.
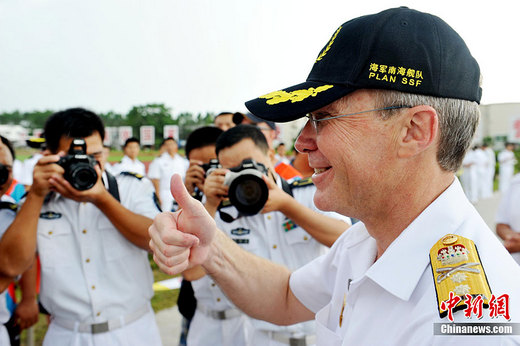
(207, 55)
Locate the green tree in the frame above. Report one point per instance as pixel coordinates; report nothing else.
(157, 115)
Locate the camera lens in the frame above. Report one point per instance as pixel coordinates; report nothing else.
(83, 177)
(248, 193)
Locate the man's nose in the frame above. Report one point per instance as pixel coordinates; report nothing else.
(306, 141)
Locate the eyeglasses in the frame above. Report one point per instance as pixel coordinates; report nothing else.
(315, 121)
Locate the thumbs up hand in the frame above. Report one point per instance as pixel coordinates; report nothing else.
(182, 239)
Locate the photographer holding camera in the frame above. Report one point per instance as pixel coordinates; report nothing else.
(21, 315)
(91, 233)
(267, 217)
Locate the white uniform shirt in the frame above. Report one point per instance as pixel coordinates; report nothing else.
(506, 168)
(163, 169)
(90, 272)
(509, 209)
(6, 218)
(28, 167)
(265, 235)
(469, 175)
(482, 163)
(129, 165)
(393, 301)
(490, 175)
(18, 173)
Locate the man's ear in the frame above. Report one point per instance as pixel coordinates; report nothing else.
(419, 130)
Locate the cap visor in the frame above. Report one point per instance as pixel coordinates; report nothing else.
(295, 102)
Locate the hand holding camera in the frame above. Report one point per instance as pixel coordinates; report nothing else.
(244, 185)
(79, 167)
(73, 175)
(194, 177)
(214, 188)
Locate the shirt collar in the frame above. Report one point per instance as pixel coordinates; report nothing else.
(401, 266)
(127, 159)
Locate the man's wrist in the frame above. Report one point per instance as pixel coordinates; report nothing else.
(213, 261)
(101, 199)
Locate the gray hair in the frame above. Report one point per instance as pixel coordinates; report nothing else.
(458, 121)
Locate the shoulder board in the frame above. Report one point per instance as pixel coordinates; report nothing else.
(9, 205)
(457, 272)
(133, 174)
(302, 182)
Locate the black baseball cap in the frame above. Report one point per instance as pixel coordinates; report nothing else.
(397, 49)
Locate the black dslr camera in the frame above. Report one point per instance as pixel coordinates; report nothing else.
(79, 167)
(247, 190)
(4, 173)
(210, 166)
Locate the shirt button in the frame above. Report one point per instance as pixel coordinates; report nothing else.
(213, 284)
(98, 314)
(268, 217)
(305, 238)
(93, 287)
(218, 299)
(274, 246)
(50, 232)
(84, 231)
(87, 260)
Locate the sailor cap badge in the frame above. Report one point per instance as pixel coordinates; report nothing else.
(456, 268)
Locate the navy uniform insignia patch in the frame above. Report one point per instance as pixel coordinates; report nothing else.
(240, 231)
(458, 273)
(50, 215)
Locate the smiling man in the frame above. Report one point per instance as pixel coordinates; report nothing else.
(392, 101)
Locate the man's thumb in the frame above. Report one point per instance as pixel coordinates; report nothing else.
(179, 192)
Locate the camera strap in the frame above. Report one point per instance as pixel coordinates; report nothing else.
(226, 217)
(287, 187)
(112, 186)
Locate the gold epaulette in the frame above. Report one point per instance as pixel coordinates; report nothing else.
(133, 174)
(457, 268)
(302, 182)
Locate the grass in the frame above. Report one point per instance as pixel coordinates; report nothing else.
(161, 300)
